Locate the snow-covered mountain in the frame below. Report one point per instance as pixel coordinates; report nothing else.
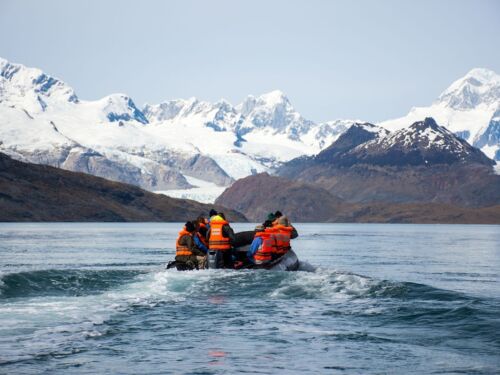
(468, 108)
(181, 144)
(159, 147)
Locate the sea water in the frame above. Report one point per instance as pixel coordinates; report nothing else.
(96, 299)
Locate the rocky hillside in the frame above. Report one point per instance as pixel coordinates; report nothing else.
(260, 194)
(421, 163)
(30, 192)
(302, 202)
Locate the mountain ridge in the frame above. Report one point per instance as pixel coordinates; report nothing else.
(160, 147)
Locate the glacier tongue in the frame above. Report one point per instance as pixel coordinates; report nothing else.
(203, 191)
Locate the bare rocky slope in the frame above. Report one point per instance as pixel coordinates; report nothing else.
(257, 195)
(31, 192)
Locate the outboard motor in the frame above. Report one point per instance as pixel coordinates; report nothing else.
(212, 259)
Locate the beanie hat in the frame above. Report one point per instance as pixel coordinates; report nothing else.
(189, 226)
(212, 212)
(271, 217)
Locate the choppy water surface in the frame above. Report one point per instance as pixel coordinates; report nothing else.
(95, 298)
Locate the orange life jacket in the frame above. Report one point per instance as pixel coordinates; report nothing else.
(282, 235)
(266, 249)
(182, 249)
(202, 238)
(217, 241)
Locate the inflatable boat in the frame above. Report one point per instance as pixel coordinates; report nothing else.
(287, 262)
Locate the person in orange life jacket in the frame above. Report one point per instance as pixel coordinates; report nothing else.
(281, 219)
(186, 250)
(202, 225)
(211, 214)
(269, 220)
(283, 232)
(200, 237)
(220, 239)
(262, 247)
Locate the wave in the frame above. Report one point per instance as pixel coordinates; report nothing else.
(84, 314)
(62, 282)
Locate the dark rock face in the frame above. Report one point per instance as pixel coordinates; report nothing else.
(423, 143)
(31, 192)
(422, 163)
(260, 194)
(356, 135)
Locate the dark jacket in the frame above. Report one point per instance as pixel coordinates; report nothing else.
(189, 242)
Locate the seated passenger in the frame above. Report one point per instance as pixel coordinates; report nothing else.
(199, 236)
(269, 220)
(201, 225)
(187, 253)
(262, 247)
(220, 240)
(283, 220)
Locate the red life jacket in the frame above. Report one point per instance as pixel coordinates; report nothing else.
(217, 241)
(202, 238)
(266, 249)
(282, 235)
(182, 249)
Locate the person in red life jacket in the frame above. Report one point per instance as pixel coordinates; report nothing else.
(262, 248)
(220, 239)
(269, 220)
(200, 234)
(281, 219)
(186, 251)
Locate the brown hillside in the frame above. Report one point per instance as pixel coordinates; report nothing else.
(31, 192)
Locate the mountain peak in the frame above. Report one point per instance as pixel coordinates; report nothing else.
(274, 98)
(31, 88)
(120, 107)
(428, 123)
(478, 86)
(483, 75)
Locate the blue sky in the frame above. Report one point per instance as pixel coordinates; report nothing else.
(370, 60)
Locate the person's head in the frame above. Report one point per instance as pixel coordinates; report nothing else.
(267, 224)
(189, 226)
(271, 217)
(259, 228)
(200, 219)
(278, 214)
(283, 220)
(196, 224)
(212, 212)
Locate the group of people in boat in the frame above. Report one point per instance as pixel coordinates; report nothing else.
(213, 236)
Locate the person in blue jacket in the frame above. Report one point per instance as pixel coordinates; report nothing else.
(256, 243)
(197, 240)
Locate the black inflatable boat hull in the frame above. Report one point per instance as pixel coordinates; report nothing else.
(288, 262)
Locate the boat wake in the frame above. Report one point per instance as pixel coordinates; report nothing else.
(57, 312)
